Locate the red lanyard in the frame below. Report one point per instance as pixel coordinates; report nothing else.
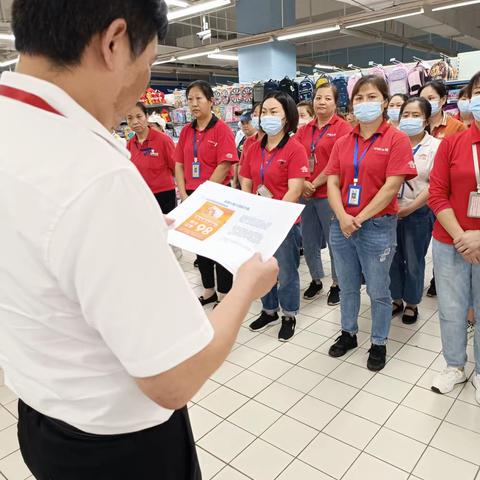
(28, 98)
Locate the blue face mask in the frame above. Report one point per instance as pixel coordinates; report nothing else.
(367, 112)
(412, 126)
(435, 104)
(271, 125)
(464, 105)
(475, 107)
(393, 114)
(255, 123)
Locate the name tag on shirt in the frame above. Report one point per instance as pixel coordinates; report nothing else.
(263, 191)
(354, 194)
(474, 205)
(196, 169)
(311, 163)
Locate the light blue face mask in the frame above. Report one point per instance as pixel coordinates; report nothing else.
(394, 114)
(464, 105)
(367, 112)
(412, 126)
(255, 123)
(435, 104)
(271, 125)
(475, 107)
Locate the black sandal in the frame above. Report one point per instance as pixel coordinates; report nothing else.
(206, 301)
(396, 308)
(410, 319)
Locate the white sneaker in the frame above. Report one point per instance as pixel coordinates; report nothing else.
(445, 382)
(476, 384)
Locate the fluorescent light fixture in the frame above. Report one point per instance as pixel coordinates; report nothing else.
(308, 33)
(326, 67)
(178, 3)
(171, 60)
(386, 19)
(224, 56)
(194, 9)
(455, 5)
(195, 55)
(7, 36)
(7, 63)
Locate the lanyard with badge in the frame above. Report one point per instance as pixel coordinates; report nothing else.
(28, 98)
(262, 190)
(355, 190)
(474, 200)
(402, 190)
(312, 161)
(196, 161)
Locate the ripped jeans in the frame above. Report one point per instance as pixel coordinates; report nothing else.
(371, 251)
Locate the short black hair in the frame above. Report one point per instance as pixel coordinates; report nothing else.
(289, 107)
(142, 107)
(474, 81)
(60, 30)
(424, 105)
(401, 95)
(438, 86)
(204, 87)
(308, 106)
(331, 86)
(464, 92)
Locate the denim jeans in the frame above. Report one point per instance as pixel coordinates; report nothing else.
(316, 219)
(407, 273)
(458, 286)
(371, 250)
(287, 292)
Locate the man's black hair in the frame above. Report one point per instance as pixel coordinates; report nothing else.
(61, 29)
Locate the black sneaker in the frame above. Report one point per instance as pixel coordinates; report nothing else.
(377, 357)
(205, 301)
(432, 289)
(333, 296)
(343, 344)
(264, 321)
(313, 290)
(287, 329)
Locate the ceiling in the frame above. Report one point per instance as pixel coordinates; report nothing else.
(450, 31)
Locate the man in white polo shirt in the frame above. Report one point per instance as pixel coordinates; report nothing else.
(101, 336)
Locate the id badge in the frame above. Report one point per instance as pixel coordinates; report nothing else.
(263, 191)
(401, 191)
(354, 192)
(474, 205)
(196, 169)
(311, 163)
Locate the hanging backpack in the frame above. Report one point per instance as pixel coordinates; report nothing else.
(322, 80)
(352, 81)
(417, 78)
(378, 71)
(286, 86)
(398, 80)
(258, 92)
(439, 70)
(270, 86)
(305, 90)
(342, 89)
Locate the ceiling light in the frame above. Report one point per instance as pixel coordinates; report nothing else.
(7, 36)
(224, 56)
(7, 63)
(194, 9)
(195, 55)
(327, 67)
(455, 5)
(308, 33)
(177, 3)
(386, 19)
(171, 60)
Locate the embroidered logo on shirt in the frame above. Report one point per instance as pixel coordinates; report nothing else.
(304, 170)
(381, 149)
(211, 142)
(411, 164)
(229, 155)
(153, 153)
(331, 134)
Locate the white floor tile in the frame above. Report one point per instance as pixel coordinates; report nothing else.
(301, 379)
(245, 356)
(458, 442)
(262, 461)
(271, 367)
(223, 401)
(202, 421)
(209, 465)
(291, 353)
(465, 415)
(14, 468)
(313, 412)
(289, 435)
(226, 372)
(12, 407)
(309, 339)
(416, 355)
(6, 395)
(334, 392)
(254, 417)
(229, 473)
(248, 383)
(208, 387)
(329, 455)
(407, 372)
(279, 397)
(298, 470)
(388, 387)
(352, 375)
(367, 467)
(428, 342)
(8, 441)
(400, 334)
(263, 343)
(226, 441)
(437, 465)
(6, 418)
(428, 402)
(324, 328)
(396, 449)
(371, 407)
(320, 363)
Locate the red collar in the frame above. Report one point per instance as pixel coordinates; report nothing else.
(332, 121)
(381, 130)
(474, 132)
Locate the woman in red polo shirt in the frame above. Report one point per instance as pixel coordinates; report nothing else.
(205, 151)
(366, 170)
(455, 200)
(152, 153)
(276, 167)
(318, 138)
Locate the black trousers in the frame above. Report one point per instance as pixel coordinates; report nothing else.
(167, 200)
(54, 450)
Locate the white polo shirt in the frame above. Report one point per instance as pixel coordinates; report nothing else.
(91, 295)
(424, 158)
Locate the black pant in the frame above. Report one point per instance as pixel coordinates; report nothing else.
(54, 450)
(167, 200)
(207, 269)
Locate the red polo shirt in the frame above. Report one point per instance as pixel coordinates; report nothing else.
(215, 144)
(309, 135)
(288, 160)
(154, 160)
(452, 179)
(248, 143)
(390, 155)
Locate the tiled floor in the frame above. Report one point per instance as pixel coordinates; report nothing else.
(290, 412)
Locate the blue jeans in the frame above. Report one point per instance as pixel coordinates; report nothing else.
(371, 250)
(458, 286)
(287, 292)
(316, 219)
(407, 273)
